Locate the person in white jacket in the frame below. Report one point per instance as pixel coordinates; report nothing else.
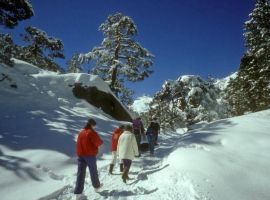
(127, 149)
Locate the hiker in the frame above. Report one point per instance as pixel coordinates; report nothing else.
(138, 130)
(88, 144)
(127, 149)
(115, 137)
(156, 129)
(150, 134)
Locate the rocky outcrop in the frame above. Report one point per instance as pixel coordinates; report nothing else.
(106, 101)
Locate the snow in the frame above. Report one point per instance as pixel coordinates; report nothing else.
(194, 90)
(141, 104)
(225, 159)
(223, 83)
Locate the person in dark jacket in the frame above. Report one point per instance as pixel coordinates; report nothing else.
(152, 134)
(138, 129)
(88, 144)
(151, 138)
(156, 129)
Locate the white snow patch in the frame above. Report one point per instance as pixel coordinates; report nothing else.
(141, 104)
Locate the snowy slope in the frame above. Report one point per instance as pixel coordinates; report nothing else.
(225, 159)
(228, 159)
(39, 123)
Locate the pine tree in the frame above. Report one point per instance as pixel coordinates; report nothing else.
(120, 56)
(235, 92)
(12, 11)
(6, 49)
(74, 65)
(250, 91)
(42, 49)
(257, 37)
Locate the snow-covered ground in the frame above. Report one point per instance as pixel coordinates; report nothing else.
(39, 121)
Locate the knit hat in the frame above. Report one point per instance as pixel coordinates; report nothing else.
(128, 127)
(91, 122)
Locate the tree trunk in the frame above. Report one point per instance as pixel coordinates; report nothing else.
(114, 76)
(114, 71)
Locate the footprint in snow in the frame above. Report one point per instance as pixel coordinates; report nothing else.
(50, 173)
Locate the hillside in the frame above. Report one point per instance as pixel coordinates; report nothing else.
(225, 159)
(39, 123)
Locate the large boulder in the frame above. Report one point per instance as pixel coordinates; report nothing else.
(106, 101)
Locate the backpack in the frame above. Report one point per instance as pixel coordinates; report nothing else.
(136, 124)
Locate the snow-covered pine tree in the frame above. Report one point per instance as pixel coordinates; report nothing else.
(126, 94)
(237, 92)
(74, 65)
(250, 91)
(12, 11)
(186, 101)
(164, 106)
(257, 37)
(120, 56)
(42, 49)
(6, 49)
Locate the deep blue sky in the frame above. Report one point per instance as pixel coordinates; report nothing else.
(197, 37)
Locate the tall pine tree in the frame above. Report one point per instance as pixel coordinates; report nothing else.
(250, 91)
(120, 58)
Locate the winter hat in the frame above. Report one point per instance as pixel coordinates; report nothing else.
(128, 127)
(91, 122)
(121, 126)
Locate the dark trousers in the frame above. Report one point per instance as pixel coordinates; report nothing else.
(127, 163)
(138, 136)
(156, 138)
(138, 139)
(151, 140)
(83, 162)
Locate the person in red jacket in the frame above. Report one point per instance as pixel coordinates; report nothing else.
(115, 136)
(88, 143)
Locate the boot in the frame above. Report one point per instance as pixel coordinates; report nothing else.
(111, 168)
(125, 175)
(121, 167)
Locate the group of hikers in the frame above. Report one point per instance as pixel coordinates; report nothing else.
(125, 146)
